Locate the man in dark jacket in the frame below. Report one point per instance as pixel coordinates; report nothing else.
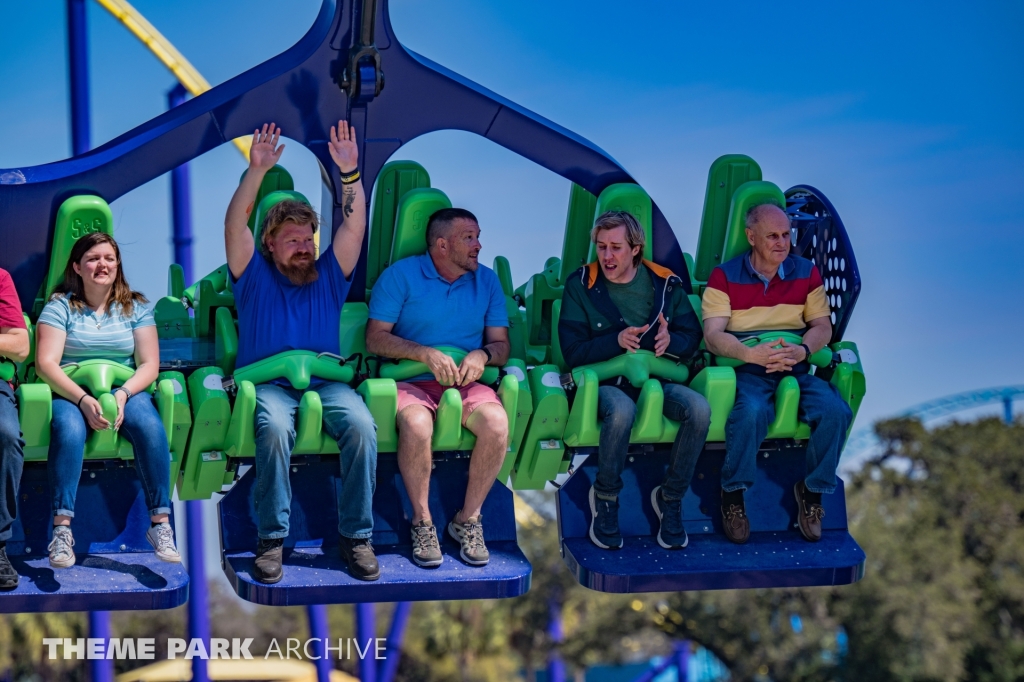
(621, 303)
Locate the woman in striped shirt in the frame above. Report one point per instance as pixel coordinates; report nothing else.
(95, 314)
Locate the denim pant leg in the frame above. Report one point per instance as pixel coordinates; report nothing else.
(616, 412)
(68, 432)
(348, 421)
(12, 456)
(143, 428)
(276, 407)
(829, 417)
(746, 428)
(693, 413)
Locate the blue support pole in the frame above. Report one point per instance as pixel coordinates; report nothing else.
(1008, 410)
(318, 630)
(101, 670)
(399, 619)
(682, 660)
(556, 667)
(198, 598)
(366, 631)
(181, 201)
(78, 76)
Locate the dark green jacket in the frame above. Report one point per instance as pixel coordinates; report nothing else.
(589, 325)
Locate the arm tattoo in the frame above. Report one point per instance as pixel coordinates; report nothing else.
(350, 196)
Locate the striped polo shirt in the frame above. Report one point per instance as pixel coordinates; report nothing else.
(794, 297)
(92, 335)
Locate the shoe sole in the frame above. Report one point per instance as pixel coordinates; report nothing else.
(462, 552)
(657, 510)
(367, 578)
(799, 505)
(266, 581)
(62, 564)
(593, 520)
(8, 584)
(163, 557)
(427, 564)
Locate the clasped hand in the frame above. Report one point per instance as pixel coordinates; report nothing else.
(629, 338)
(448, 373)
(777, 359)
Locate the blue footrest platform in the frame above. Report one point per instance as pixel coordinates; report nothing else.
(775, 556)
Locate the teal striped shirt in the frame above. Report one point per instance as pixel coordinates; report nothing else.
(105, 336)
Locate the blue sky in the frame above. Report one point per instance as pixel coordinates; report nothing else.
(908, 119)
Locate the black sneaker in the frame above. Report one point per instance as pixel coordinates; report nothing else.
(671, 534)
(8, 576)
(358, 553)
(604, 522)
(268, 567)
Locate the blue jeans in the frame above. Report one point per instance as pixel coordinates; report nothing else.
(11, 458)
(142, 428)
(346, 420)
(821, 408)
(617, 409)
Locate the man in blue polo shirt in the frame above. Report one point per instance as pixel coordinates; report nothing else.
(444, 298)
(289, 300)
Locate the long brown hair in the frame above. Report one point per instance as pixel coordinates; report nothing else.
(73, 288)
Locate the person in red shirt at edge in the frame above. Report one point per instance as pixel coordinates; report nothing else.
(13, 348)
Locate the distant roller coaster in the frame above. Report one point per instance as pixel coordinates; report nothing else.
(864, 439)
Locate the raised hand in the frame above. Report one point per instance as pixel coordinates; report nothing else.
(343, 147)
(264, 152)
(629, 338)
(662, 338)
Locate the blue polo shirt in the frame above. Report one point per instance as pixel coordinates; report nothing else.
(275, 315)
(427, 309)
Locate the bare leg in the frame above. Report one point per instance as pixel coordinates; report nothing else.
(415, 429)
(489, 424)
(61, 520)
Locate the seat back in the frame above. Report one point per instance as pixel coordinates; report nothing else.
(76, 217)
(629, 197)
(394, 180)
(277, 179)
(748, 195)
(726, 175)
(579, 220)
(414, 210)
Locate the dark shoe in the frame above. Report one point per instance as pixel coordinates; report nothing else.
(470, 536)
(808, 514)
(426, 550)
(671, 534)
(268, 567)
(362, 563)
(604, 522)
(8, 576)
(734, 517)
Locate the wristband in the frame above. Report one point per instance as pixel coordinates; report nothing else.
(349, 178)
(487, 353)
(79, 403)
(807, 350)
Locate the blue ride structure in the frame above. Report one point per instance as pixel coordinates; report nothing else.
(350, 65)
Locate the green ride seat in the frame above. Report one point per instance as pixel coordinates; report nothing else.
(394, 180)
(224, 432)
(517, 326)
(726, 175)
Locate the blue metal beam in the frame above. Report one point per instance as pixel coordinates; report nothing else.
(297, 89)
(78, 77)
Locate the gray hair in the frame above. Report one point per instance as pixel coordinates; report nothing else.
(635, 235)
(757, 213)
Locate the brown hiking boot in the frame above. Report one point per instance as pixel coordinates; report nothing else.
(362, 562)
(808, 514)
(734, 517)
(269, 554)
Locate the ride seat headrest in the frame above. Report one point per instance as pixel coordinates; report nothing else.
(76, 217)
(631, 198)
(414, 210)
(268, 202)
(748, 195)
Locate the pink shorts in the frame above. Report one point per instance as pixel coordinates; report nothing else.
(428, 394)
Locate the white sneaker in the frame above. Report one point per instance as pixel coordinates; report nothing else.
(61, 554)
(161, 536)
